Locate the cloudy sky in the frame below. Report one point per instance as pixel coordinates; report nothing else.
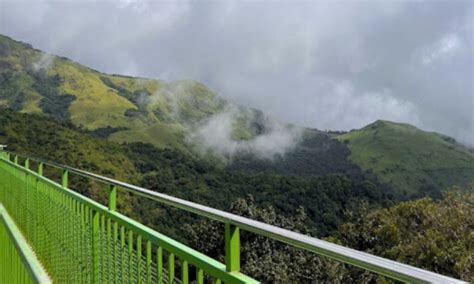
(322, 64)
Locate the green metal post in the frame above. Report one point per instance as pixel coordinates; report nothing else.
(171, 268)
(122, 252)
(199, 276)
(27, 163)
(115, 241)
(159, 264)
(64, 178)
(112, 198)
(185, 273)
(130, 256)
(95, 248)
(16, 159)
(148, 262)
(139, 259)
(40, 168)
(232, 248)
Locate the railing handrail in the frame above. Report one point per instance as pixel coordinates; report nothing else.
(379, 265)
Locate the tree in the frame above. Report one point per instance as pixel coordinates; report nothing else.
(434, 235)
(264, 259)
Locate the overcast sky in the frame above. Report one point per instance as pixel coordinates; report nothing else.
(322, 64)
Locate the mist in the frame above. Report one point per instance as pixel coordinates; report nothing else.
(217, 127)
(44, 62)
(215, 135)
(322, 64)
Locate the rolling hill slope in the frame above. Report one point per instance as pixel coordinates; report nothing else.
(408, 158)
(188, 117)
(135, 109)
(179, 174)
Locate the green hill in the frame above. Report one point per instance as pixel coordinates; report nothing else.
(180, 174)
(409, 159)
(187, 117)
(130, 109)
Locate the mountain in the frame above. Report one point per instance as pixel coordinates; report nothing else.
(409, 159)
(173, 172)
(190, 119)
(120, 107)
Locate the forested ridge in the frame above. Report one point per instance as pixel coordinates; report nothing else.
(398, 158)
(348, 209)
(179, 174)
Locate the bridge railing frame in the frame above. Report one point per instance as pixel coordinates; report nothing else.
(18, 263)
(234, 223)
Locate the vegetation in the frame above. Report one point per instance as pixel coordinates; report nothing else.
(316, 155)
(182, 175)
(409, 160)
(325, 198)
(266, 260)
(135, 130)
(62, 142)
(435, 235)
(105, 132)
(53, 103)
(406, 160)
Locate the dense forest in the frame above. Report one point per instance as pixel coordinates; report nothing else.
(434, 235)
(179, 174)
(352, 210)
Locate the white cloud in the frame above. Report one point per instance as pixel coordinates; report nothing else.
(215, 135)
(341, 107)
(446, 46)
(279, 55)
(44, 62)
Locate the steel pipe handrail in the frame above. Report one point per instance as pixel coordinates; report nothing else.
(379, 265)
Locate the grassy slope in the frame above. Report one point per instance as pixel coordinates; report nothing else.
(98, 105)
(408, 158)
(317, 154)
(94, 102)
(399, 155)
(158, 134)
(38, 136)
(13, 56)
(178, 174)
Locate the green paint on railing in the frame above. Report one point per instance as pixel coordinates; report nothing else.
(113, 198)
(18, 263)
(64, 178)
(79, 240)
(232, 247)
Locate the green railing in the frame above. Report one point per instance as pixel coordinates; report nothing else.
(18, 263)
(80, 240)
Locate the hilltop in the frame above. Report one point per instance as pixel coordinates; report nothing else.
(408, 158)
(122, 108)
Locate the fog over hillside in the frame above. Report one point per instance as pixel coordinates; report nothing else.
(215, 134)
(326, 64)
